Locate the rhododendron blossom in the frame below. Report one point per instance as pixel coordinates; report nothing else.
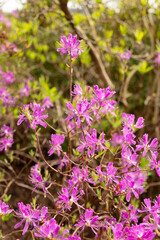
(4, 209)
(56, 141)
(88, 220)
(126, 55)
(47, 103)
(99, 169)
(28, 215)
(6, 140)
(68, 197)
(36, 178)
(157, 59)
(70, 46)
(33, 115)
(92, 143)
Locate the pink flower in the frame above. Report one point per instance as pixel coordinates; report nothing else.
(27, 215)
(117, 139)
(118, 232)
(140, 232)
(56, 141)
(15, 13)
(92, 143)
(128, 120)
(51, 230)
(88, 221)
(101, 101)
(7, 78)
(70, 46)
(68, 197)
(75, 237)
(33, 115)
(24, 91)
(78, 176)
(63, 161)
(4, 209)
(130, 214)
(126, 55)
(82, 111)
(47, 103)
(6, 98)
(5, 21)
(157, 59)
(144, 143)
(77, 92)
(133, 183)
(36, 179)
(5, 143)
(6, 131)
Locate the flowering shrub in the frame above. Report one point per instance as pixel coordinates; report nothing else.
(101, 177)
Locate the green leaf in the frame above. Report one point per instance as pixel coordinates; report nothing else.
(75, 152)
(6, 217)
(88, 205)
(144, 68)
(144, 3)
(123, 29)
(7, 197)
(79, 18)
(31, 54)
(47, 175)
(74, 218)
(96, 15)
(99, 194)
(11, 156)
(31, 152)
(34, 202)
(144, 162)
(108, 34)
(85, 57)
(139, 35)
(135, 202)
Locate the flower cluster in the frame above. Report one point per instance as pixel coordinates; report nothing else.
(6, 140)
(126, 55)
(7, 77)
(98, 105)
(30, 216)
(157, 59)
(5, 21)
(33, 115)
(37, 180)
(56, 141)
(92, 143)
(106, 175)
(8, 47)
(70, 46)
(5, 97)
(4, 209)
(25, 90)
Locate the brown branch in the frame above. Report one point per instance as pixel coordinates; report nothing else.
(93, 50)
(90, 21)
(31, 188)
(7, 188)
(150, 34)
(124, 97)
(156, 106)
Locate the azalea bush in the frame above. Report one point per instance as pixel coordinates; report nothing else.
(76, 161)
(97, 188)
(108, 29)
